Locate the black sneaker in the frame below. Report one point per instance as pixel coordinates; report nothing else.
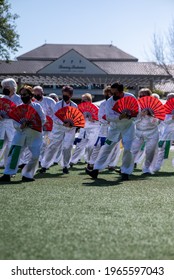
(43, 170)
(21, 166)
(26, 179)
(65, 170)
(93, 173)
(5, 178)
(124, 177)
(71, 164)
(90, 166)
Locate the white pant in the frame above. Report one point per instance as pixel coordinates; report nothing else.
(62, 140)
(22, 139)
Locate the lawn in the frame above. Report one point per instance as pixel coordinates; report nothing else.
(73, 217)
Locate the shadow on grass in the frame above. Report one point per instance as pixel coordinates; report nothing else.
(163, 174)
(102, 183)
(50, 175)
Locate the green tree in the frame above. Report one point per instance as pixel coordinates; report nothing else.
(9, 39)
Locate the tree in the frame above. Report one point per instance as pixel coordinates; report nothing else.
(9, 39)
(163, 50)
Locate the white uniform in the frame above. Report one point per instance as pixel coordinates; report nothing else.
(102, 135)
(146, 131)
(48, 105)
(26, 137)
(88, 138)
(119, 129)
(62, 139)
(165, 140)
(7, 130)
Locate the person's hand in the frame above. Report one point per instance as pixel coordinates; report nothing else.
(125, 115)
(24, 124)
(147, 112)
(67, 124)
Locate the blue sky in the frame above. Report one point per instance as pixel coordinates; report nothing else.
(127, 24)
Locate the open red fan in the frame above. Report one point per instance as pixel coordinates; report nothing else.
(23, 113)
(155, 106)
(48, 126)
(6, 106)
(72, 115)
(169, 106)
(89, 110)
(127, 104)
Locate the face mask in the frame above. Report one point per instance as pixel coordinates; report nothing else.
(66, 98)
(6, 91)
(107, 97)
(38, 97)
(116, 98)
(25, 99)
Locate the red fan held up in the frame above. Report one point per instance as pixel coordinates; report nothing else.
(6, 106)
(154, 105)
(26, 113)
(71, 115)
(169, 106)
(48, 126)
(128, 105)
(89, 110)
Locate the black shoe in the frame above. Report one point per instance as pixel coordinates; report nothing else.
(71, 164)
(89, 166)
(111, 168)
(5, 178)
(118, 170)
(135, 165)
(124, 177)
(43, 170)
(21, 166)
(65, 170)
(26, 179)
(93, 173)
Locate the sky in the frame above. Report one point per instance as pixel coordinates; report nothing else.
(126, 24)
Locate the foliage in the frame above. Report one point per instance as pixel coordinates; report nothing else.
(9, 39)
(163, 50)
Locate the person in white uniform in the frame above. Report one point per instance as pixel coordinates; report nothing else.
(25, 137)
(166, 137)
(63, 135)
(102, 135)
(88, 135)
(48, 105)
(121, 128)
(7, 130)
(146, 132)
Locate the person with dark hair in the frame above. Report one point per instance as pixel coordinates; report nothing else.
(63, 135)
(24, 137)
(121, 128)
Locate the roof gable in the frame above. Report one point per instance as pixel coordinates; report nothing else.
(71, 63)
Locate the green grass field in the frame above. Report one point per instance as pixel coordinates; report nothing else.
(73, 217)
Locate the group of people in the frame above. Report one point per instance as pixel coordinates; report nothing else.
(100, 142)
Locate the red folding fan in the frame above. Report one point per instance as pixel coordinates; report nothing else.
(127, 104)
(154, 105)
(89, 110)
(169, 106)
(72, 115)
(6, 106)
(48, 126)
(26, 113)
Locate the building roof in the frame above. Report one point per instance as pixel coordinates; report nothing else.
(91, 52)
(59, 64)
